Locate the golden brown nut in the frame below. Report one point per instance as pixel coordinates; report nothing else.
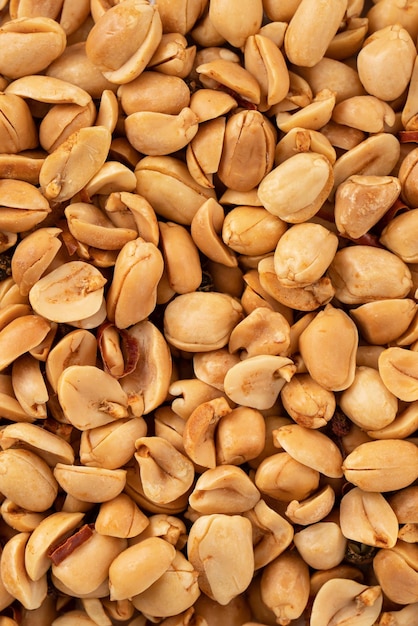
(123, 40)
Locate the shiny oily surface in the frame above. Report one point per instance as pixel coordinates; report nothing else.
(208, 312)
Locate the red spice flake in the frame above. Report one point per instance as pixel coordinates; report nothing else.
(408, 136)
(67, 547)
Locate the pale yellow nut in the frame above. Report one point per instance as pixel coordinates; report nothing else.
(335, 369)
(25, 166)
(306, 298)
(147, 561)
(264, 59)
(31, 44)
(132, 32)
(189, 394)
(249, 137)
(397, 236)
(133, 293)
(257, 381)
(27, 480)
(85, 570)
(296, 202)
(10, 407)
(33, 255)
(15, 578)
(111, 446)
(305, 44)
(340, 600)
(284, 587)
(313, 116)
(62, 120)
(403, 426)
(73, 66)
(173, 56)
(209, 104)
(232, 75)
(165, 473)
(311, 448)
(385, 465)
(203, 154)
(22, 206)
(143, 94)
(220, 549)
(307, 402)
(361, 201)
(178, 586)
(78, 347)
(48, 89)
(168, 527)
(154, 133)
(313, 509)
(90, 484)
(262, 332)
(210, 319)
(20, 335)
(335, 75)
(147, 385)
(205, 34)
(282, 12)
(303, 140)
(181, 257)
(240, 436)
(273, 533)
(211, 367)
(404, 504)
(368, 402)
(47, 445)
(347, 42)
(398, 368)
(167, 185)
(283, 478)
(206, 228)
(180, 15)
(224, 489)
(342, 137)
(366, 113)
(368, 518)
(199, 431)
(234, 21)
(20, 519)
(112, 177)
(379, 65)
(120, 517)
(70, 167)
(252, 230)
(396, 571)
(375, 156)
(322, 545)
(409, 111)
(106, 399)
(401, 617)
(356, 273)
(51, 531)
(108, 111)
(89, 225)
(303, 254)
(139, 210)
(72, 291)
(29, 386)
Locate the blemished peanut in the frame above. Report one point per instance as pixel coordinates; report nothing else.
(208, 326)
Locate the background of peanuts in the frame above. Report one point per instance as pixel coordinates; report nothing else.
(208, 312)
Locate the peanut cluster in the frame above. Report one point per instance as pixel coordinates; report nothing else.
(208, 313)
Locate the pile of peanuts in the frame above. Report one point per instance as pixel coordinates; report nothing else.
(208, 312)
